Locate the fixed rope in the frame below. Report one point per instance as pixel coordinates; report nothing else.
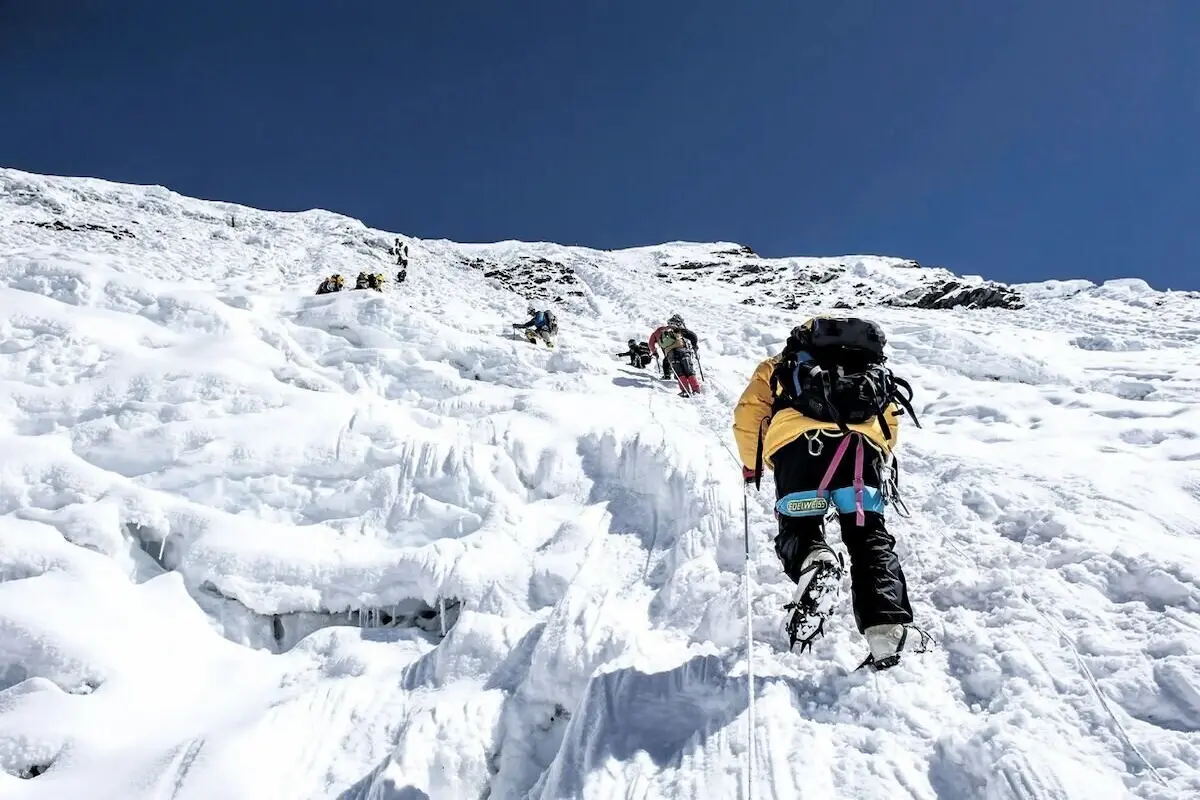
(747, 582)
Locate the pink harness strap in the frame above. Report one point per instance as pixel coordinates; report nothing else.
(833, 464)
(860, 517)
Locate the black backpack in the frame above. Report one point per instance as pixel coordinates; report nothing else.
(833, 370)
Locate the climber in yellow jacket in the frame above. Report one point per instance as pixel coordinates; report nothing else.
(802, 414)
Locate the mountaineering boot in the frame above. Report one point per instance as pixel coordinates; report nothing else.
(817, 592)
(888, 642)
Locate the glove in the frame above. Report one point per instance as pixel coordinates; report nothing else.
(516, 324)
(749, 475)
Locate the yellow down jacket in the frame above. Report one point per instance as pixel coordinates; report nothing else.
(754, 410)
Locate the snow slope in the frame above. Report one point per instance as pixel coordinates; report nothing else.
(260, 544)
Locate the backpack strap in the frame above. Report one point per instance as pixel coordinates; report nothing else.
(903, 401)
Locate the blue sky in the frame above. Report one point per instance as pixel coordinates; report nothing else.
(1021, 140)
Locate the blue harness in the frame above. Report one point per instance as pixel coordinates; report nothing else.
(857, 498)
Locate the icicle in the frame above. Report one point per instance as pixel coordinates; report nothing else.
(442, 614)
(162, 549)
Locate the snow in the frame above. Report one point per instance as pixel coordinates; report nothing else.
(256, 543)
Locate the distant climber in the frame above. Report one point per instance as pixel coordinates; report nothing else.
(824, 416)
(372, 280)
(400, 250)
(334, 283)
(542, 325)
(638, 354)
(680, 350)
(402, 275)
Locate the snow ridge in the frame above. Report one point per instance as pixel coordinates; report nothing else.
(256, 543)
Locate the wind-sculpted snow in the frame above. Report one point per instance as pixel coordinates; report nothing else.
(256, 543)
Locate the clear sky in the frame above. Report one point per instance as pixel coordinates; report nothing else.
(1017, 139)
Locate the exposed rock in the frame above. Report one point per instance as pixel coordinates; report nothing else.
(691, 265)
(59, 225)
(955, 294)
(789, 303)
(529, 276)
(741, 250)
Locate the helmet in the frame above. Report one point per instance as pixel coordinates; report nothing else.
(633, 343)
(675, 320)
(531, 310)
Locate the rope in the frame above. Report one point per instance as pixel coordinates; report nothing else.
(1118, 728)
(750, 693)
(747, 582)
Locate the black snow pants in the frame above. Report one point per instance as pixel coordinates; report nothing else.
(683, 363)
(878, 590)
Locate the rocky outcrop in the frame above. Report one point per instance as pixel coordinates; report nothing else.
(86, 227)
(530, 276)
(742, 251)
(955, 294)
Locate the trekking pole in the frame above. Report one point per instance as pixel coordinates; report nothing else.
(750, 717)
(700, 365)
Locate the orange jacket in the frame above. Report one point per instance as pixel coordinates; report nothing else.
(753, 412)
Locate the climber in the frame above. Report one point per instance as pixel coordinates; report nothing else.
(638, 353)
(400, 250)
(333, 283)
(666, 362)
(362, 281)
(542, 325)
(376, 281)
(402, 275)
(823, 415)
(680, 350)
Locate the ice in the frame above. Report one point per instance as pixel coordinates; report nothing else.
(256, 543)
